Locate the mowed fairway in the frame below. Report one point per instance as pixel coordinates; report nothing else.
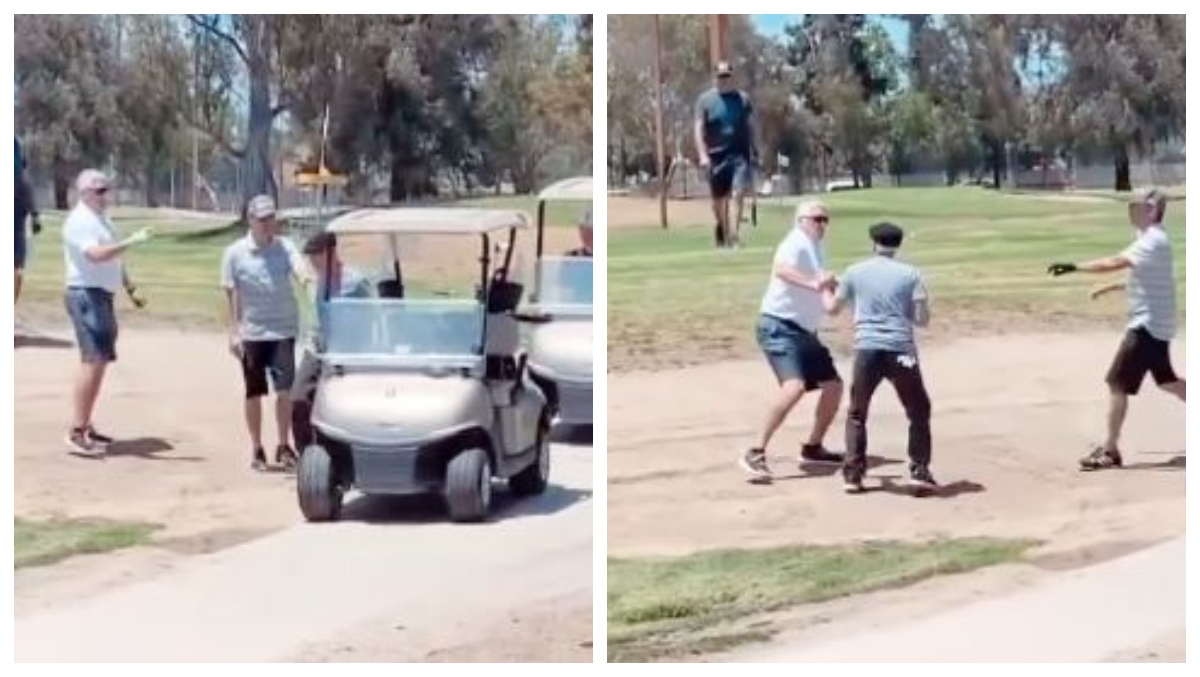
(178, 271)
(674, 300)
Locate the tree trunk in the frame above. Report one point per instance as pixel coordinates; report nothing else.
(997, 164)
(62, 184)
(148, 185)
(1121, 164)
(256, 164)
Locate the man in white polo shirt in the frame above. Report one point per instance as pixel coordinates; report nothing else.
(1146, 347)
(94, 273)
(790, 317)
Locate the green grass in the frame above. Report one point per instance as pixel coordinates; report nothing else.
(663, 607)
(984, 256)
(178, 271)
(42, 542)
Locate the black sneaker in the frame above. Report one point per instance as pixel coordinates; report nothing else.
(754, 462)
(922, 480)
(817, 453)
(79, 443)
(284, 456)
(853, 485)
(1101, 459)
(97, 437)
(259, 462)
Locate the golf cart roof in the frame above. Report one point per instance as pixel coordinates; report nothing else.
(575, 190)
(427, 221)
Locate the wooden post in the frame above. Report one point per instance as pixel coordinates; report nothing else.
(718, 39)
(660, 142)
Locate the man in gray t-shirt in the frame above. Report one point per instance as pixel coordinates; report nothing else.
(889, 299)
(264, 319)
(1146, 347)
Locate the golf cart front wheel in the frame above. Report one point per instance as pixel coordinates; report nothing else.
(468, 489)
(318, 485)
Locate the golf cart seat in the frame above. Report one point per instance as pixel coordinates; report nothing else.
(503, 338)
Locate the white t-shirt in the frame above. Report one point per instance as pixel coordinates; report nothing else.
(787, 301)
(1152, 283)
(83, 230)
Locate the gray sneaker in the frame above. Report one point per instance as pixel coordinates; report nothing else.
(754, 462)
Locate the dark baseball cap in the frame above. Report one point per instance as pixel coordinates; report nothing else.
(887, 235)
(320, 243)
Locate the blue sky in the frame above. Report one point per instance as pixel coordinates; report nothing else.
(773, 25)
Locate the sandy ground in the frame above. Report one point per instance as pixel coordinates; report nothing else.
(640, 212)
(174, 401)
(1012, 414)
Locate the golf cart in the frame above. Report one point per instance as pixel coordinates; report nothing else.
(426, 395)
(560, 351)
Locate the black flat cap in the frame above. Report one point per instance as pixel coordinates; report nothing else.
(887, 234)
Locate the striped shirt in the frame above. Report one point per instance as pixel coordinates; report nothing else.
(262, 278)
(1152, 283)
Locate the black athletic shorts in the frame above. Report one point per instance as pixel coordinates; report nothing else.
(724, 170)
(1140, 353)
(263, 359)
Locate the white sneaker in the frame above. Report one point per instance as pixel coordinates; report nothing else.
(81, 444)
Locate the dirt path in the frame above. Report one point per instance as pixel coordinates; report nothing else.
(284, 589)
(1067, 617)
(1012, 413)
(1011, 416)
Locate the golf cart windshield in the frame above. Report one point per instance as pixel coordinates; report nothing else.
(565, 284)
(417, 333)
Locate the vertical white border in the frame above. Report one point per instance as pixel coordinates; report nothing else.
(600, 338)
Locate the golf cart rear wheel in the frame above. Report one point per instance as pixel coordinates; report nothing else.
(533, 480)
(318, 485)
(468, 489)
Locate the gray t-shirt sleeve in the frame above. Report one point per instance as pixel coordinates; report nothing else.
(227, 278)
(703, 103)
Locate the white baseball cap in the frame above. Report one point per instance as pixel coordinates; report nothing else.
(260, 207)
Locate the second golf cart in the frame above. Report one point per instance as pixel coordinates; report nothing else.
(426, 395)
(560, 351)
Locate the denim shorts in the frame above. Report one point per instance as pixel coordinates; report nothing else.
(795, 353)
(95, 322)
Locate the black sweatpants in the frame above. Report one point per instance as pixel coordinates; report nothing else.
(872, 367)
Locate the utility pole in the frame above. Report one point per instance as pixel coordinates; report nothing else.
(658, 122)
(718, 39)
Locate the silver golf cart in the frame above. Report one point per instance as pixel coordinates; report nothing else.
(560, 350)
(426, 395)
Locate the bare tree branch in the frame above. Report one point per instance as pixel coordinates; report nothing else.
(211, 28)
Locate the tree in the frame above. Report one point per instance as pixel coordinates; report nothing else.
(67, 110)
(277, 54)
(152, 89)
(1124, 81)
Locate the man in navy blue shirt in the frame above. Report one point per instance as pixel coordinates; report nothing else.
(725, 144)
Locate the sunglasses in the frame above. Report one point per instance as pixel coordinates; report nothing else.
(101, 191)
(818, 219)
(724, 76)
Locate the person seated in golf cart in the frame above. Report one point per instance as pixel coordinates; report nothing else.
(585, 236)
(342, 282)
